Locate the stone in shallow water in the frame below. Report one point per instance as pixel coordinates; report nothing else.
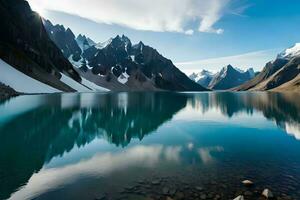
(203, 196)
(179, 195)
(247, 183)
(165, 190)
(241, 197)
(199, 188)
(267, 193)
(248, 193)
(155, 182)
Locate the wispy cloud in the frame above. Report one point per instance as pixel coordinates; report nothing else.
(152, 15)
(256, 59)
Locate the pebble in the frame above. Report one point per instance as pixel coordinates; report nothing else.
(241, 197)
(155, 182)
(165, 190)
(247, 183)
(199, 188)
(203, 196)
(248, 193)
(267, 193)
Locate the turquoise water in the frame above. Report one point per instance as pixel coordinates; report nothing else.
(149, 146)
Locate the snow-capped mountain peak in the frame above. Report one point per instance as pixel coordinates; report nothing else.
(203, 78)
(290, 52)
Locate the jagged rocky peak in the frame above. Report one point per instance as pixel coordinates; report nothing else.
(84, 42)
(120, 42)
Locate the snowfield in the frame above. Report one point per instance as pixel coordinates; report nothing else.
(73, 84)
(25, 84)
(21, 82)
(291, 52)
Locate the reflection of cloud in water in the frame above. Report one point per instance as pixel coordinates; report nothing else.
(97, 166)
(293, 129)
(205, 153)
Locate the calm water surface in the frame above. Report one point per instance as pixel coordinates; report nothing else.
(149, 146)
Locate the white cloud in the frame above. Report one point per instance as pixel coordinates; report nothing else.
(154, 15)
(189, 32)
(256, 59)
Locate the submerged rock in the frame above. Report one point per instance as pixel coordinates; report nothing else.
(165, 190)
(155, 182)
(241, 197)
(267, 193)
(203, 196)
(199, 188)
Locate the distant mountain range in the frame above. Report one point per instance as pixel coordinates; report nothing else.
(229, 77)
(282, 74)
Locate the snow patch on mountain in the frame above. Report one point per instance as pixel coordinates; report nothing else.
(123, 78)
(74, 84)
(290, 52)
(76, 64)
(21, 82)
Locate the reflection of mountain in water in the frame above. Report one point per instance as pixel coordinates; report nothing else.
(59, 122)
(283, 108)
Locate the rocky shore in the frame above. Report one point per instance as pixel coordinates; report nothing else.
(168, 189)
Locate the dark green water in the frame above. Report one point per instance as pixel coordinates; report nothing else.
(149, 146)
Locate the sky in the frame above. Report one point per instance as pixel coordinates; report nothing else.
(194, 34)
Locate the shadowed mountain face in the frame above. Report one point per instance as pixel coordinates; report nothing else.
(58, 123)
(24, 44)
(117, 64)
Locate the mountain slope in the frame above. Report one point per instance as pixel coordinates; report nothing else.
(287, 77)
(282, 73)
(230, 77)
(25, 45)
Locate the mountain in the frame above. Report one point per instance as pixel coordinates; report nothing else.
(230, 77)
(26, 46)
(117, 64)
(84, 42)
(280, 74)
(64, 39)
(203, 78)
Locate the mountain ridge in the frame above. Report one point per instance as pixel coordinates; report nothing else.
(120, 65)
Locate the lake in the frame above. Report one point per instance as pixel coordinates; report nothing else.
(150, 145)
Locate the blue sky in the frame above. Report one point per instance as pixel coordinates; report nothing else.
(195, 34)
